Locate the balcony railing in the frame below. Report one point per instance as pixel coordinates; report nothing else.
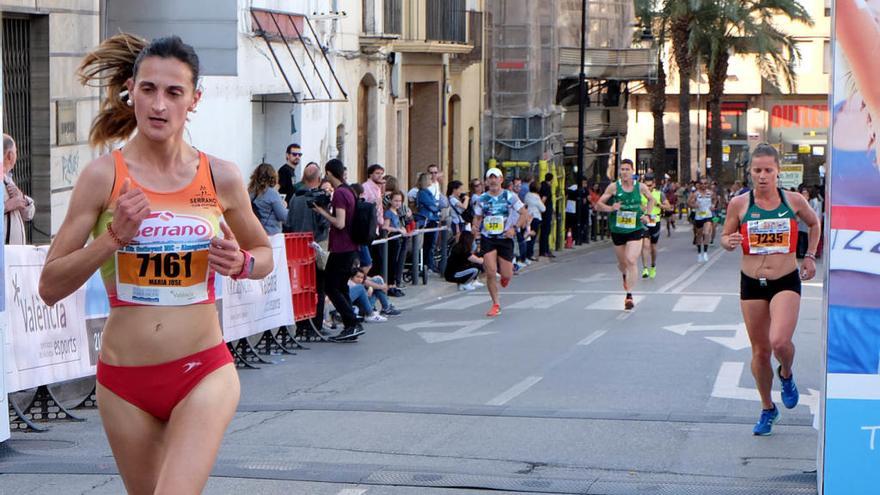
(626, 64)
(447, 20)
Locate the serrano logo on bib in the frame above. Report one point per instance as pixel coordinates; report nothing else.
(166, 226)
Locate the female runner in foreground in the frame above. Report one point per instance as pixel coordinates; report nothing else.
(167, 387)
(763, 222)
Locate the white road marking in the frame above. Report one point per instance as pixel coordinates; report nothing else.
(727, 387)
(596, 277)
(685, 274)
(353, 491)
(739, 341)
(697, 304)
(613, 302)
(813, 284)
(684, 328)
(699, 272)
(626, 314)
(461, 302)
(538, 302)
(514, 391)
(466, 329)
(592, 337)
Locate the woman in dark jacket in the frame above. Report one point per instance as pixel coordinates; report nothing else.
(265, 199)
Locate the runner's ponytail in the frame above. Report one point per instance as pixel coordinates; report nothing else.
(109, 66)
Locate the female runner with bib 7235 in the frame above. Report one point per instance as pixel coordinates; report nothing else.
(763, 223)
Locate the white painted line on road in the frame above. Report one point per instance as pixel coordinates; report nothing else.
(814, 284)
(539, 302)
(727, 387)
(624, 315)
(461, 302)
(697, 304)
(514, 391)
(593, 337)
(353, 491)
(687, 273)
(699, 273)
(613, 302)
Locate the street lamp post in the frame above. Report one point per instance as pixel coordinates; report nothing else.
(582, 104)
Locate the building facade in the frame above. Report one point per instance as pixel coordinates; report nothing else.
(753, 111)
(45, 109)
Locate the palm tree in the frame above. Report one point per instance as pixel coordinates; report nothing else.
(745, 26)
(651, 16)
(682, 15)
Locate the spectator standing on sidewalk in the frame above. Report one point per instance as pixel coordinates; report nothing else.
(302, 218)
(343, 251)
(536, 209)
(393, 225)
(374, 190)
(18, 208)
(458, 204)
(287, 172)
(546, 193)
(427, 217)
(265, 199)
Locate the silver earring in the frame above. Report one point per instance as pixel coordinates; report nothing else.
(129, 102)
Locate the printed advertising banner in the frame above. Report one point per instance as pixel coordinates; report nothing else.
(44, 344)
(851, 449)
(252, 306)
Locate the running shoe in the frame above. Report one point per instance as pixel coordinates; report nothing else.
(466, 287)
(350, 334)
(764, 426)
(645, 273)
(790, 393)
(395, 292)
(652, 272)
(375, 318)
(478, 284)
(699, 257)
(390, 311)
(505, 282)
(628, 303)
(705, 256)
(495, 310)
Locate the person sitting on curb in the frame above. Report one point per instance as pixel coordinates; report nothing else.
(463, 266)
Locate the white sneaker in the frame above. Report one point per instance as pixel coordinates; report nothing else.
(466, 287)
(705, 256)
(375, 318)
(699, 257)
(478, 284)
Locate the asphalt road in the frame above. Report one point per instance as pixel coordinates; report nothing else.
(563, 393)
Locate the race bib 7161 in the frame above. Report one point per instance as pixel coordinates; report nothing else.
(164, 274)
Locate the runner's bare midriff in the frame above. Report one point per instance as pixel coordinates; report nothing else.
(769, 266)
(147, 335)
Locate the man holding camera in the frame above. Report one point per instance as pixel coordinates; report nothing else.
(302, 218)
(343, 251)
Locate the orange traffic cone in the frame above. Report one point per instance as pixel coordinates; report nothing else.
(569, 240)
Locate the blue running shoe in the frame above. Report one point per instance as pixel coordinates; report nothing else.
(790, 393)
(765, 424)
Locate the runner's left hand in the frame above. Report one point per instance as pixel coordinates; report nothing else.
(224, 256)
(808, 269)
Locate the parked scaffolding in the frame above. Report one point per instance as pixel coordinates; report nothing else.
(523, 120)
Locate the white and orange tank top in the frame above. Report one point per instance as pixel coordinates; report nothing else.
(166, 264)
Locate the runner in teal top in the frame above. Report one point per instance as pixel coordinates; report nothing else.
(626, 221)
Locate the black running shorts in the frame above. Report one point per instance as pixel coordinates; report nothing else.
(754, 289)
(622, 239)
(501, 245)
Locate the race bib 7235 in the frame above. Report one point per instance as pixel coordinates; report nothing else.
(164, 274)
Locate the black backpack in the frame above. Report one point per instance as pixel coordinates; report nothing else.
(364, 223)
